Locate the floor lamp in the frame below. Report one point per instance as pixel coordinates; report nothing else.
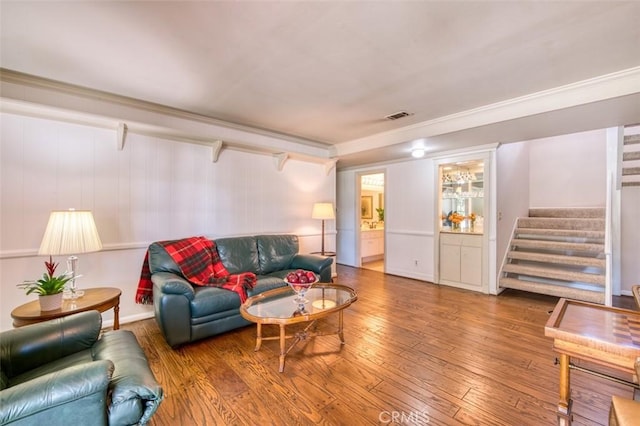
(323, 211)
(70, 232)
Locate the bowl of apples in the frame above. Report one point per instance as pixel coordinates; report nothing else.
(301, 281)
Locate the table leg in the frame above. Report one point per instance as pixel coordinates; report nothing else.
(116, 316)
(564, 405)
(283, 350)
(258, 337)
(340, 326)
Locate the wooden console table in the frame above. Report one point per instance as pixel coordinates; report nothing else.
(100, 299)
(603, 335)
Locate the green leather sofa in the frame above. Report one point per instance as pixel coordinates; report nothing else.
(186, 313)
(63, 372)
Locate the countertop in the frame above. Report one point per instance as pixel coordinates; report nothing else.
(466, 232)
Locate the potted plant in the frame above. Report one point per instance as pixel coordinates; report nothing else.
(49, 288)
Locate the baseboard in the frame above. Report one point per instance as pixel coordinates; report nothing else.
(129, 319)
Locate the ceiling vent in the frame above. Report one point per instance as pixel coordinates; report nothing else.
(397, 115)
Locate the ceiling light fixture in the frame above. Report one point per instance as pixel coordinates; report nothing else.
(417, 152)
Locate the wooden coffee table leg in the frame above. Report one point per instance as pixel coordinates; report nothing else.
(283, 349)
(258, 337)
(564, 405)
(340, 326)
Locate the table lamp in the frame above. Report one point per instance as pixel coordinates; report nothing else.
(70, 232)
(323, 211)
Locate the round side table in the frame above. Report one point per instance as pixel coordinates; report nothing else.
(100, 299)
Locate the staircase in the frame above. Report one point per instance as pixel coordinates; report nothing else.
(631, 161)
(558, 252)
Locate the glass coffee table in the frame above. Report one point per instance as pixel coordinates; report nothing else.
(279, 307)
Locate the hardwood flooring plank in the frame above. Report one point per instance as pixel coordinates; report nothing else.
(452, 356)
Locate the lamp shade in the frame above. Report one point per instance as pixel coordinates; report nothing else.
(322, 211)
(70, 232)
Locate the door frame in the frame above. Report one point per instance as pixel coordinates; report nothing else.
(358, 214)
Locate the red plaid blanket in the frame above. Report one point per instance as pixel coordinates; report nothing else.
(200, 264)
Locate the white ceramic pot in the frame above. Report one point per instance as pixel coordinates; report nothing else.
(50, 302)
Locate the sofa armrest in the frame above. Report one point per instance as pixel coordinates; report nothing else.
(135, 393)
(75, 395)
(170, 283)
(321, 265)
(172, 297)
(23, 349)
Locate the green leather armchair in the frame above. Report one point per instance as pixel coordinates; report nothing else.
(63, 372)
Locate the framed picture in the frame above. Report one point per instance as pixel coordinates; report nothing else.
(366, 207)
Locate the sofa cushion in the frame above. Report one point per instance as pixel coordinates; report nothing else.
(211, 300)
(238, 254)
(266, 283)
(275, 252)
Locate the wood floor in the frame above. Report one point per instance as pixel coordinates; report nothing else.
(415, 353)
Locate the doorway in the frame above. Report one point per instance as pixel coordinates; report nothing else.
(371, 215)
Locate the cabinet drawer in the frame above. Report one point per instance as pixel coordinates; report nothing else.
(472, 240)
(451, 239)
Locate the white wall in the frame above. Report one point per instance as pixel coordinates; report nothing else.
(512, 191)
(409, 219)
(408, 225)
(563, 171)
(568, 170)
(630, 238)
(154, 189)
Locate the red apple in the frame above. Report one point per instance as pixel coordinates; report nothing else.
(293, 278)
(311, 276)
(300, 272)
(303, 279)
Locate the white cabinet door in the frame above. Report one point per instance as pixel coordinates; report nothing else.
(450, 262)
(368, 247)
(461, 260)
(471, 265)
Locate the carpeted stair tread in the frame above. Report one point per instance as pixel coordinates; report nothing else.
(553, 290)
(588, 224)
(564, 213)
(568, 233)
(630, 171)
(631, 156)
(558, 252)
(557, 245)
(631, 139)
(557, 259)
(631, 183)
(554, 273)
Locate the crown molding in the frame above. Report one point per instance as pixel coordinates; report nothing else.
(30, 95)
(613, 85)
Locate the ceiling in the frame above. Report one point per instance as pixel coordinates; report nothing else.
(329, 72)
